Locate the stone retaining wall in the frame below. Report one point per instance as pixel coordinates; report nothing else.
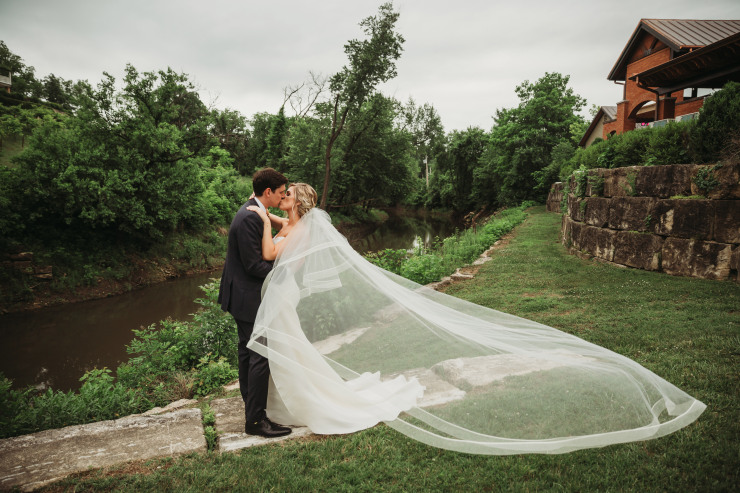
(682, 219)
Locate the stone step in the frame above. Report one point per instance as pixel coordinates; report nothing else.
(30, 461)
(230, 427)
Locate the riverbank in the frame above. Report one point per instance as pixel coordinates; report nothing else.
(24, 291)
(142, 273)
(683, 329)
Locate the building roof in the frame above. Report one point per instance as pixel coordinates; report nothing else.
(678, 35)
(710, 66)
(609, 113)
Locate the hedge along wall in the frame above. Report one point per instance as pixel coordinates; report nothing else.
(682, 220)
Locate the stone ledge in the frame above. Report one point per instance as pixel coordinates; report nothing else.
(31, 461)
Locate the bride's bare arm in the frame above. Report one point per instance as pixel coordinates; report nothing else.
(269, 250)
(277, 221)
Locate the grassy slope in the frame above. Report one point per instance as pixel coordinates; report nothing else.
(686, 330)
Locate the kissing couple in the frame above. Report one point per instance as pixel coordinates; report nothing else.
(333, 342)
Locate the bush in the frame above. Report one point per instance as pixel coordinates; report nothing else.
(669, 144)
(212, 374)
(98, 399)
(718, 120)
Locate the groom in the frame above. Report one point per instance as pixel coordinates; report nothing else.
(240, 293)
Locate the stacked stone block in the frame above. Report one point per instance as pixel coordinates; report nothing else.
(657, 218)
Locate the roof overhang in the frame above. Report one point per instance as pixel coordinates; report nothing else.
(711, 66)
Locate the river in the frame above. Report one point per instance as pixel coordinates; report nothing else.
(53, 347)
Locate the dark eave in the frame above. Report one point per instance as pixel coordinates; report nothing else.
(677, 34)
(709, 67)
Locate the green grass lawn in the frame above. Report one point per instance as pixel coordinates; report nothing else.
(685, 330)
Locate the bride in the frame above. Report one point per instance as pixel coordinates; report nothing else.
(351, 345)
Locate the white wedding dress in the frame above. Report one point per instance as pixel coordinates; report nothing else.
(351, 345)
(305, 390)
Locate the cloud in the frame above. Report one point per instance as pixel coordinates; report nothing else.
(464, 57)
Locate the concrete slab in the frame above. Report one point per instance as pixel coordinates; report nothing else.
(230, 427)
(332, 343)
(468, 373)
(31, 461)
(436, 391)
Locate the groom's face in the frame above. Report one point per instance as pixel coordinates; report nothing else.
(274, 197)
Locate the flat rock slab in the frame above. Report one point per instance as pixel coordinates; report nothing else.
(31, 461)
(230, 426)
(468, 373)
(436, 390)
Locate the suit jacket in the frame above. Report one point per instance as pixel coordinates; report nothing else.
(244, 270)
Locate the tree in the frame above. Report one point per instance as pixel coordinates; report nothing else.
(129, 162)
(371, 61)
(377, 157)
(24, 78)
(275, 148)
(523, 138)
(230, 128)
(456, 167)
(427, 134)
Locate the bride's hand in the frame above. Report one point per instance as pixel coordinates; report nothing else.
(259, 211)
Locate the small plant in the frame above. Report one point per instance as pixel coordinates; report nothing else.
(564, 200)
(706, 180)
(212, 375)
(596, 181)
(629, 187)
(648, 219)
(209, 426)
(580, 176)
(211, 437)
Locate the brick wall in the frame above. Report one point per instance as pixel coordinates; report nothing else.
(656, 218)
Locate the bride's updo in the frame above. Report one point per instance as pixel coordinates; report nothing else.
(305, 197)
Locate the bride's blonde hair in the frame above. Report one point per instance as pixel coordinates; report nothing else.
(305, 197)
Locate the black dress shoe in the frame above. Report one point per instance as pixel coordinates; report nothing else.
(266, 428)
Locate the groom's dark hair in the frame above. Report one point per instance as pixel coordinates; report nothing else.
(267, 178)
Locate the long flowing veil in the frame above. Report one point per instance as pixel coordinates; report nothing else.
(494, 383)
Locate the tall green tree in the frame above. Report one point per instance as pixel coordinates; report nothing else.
(377, 165)
(275, 145)
(522, 138)
(129, 162)
(452, 181)
(371, 61)
(23, 77)
(427, 133)
(230, 128)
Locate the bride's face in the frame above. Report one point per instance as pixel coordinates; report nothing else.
(289, 201)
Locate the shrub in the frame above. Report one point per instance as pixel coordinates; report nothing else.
(718, 120)
(212, 375)
(669, 144)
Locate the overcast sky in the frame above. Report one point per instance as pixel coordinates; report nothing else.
(464, 57)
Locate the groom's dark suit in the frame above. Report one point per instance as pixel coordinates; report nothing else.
(239, 294)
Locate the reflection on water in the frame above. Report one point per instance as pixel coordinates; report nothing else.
(54, 347)
(402, 232)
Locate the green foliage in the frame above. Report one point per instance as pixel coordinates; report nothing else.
(581, 179)
(596, 182)
(371, 62)
(706, 179)
(98, 399)
(669, 144)
(211, 375)
(523, 138)
(424, 268)
(429, 265)
(718, 120)
(389, 259)
(459, 183)
(157, 352)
